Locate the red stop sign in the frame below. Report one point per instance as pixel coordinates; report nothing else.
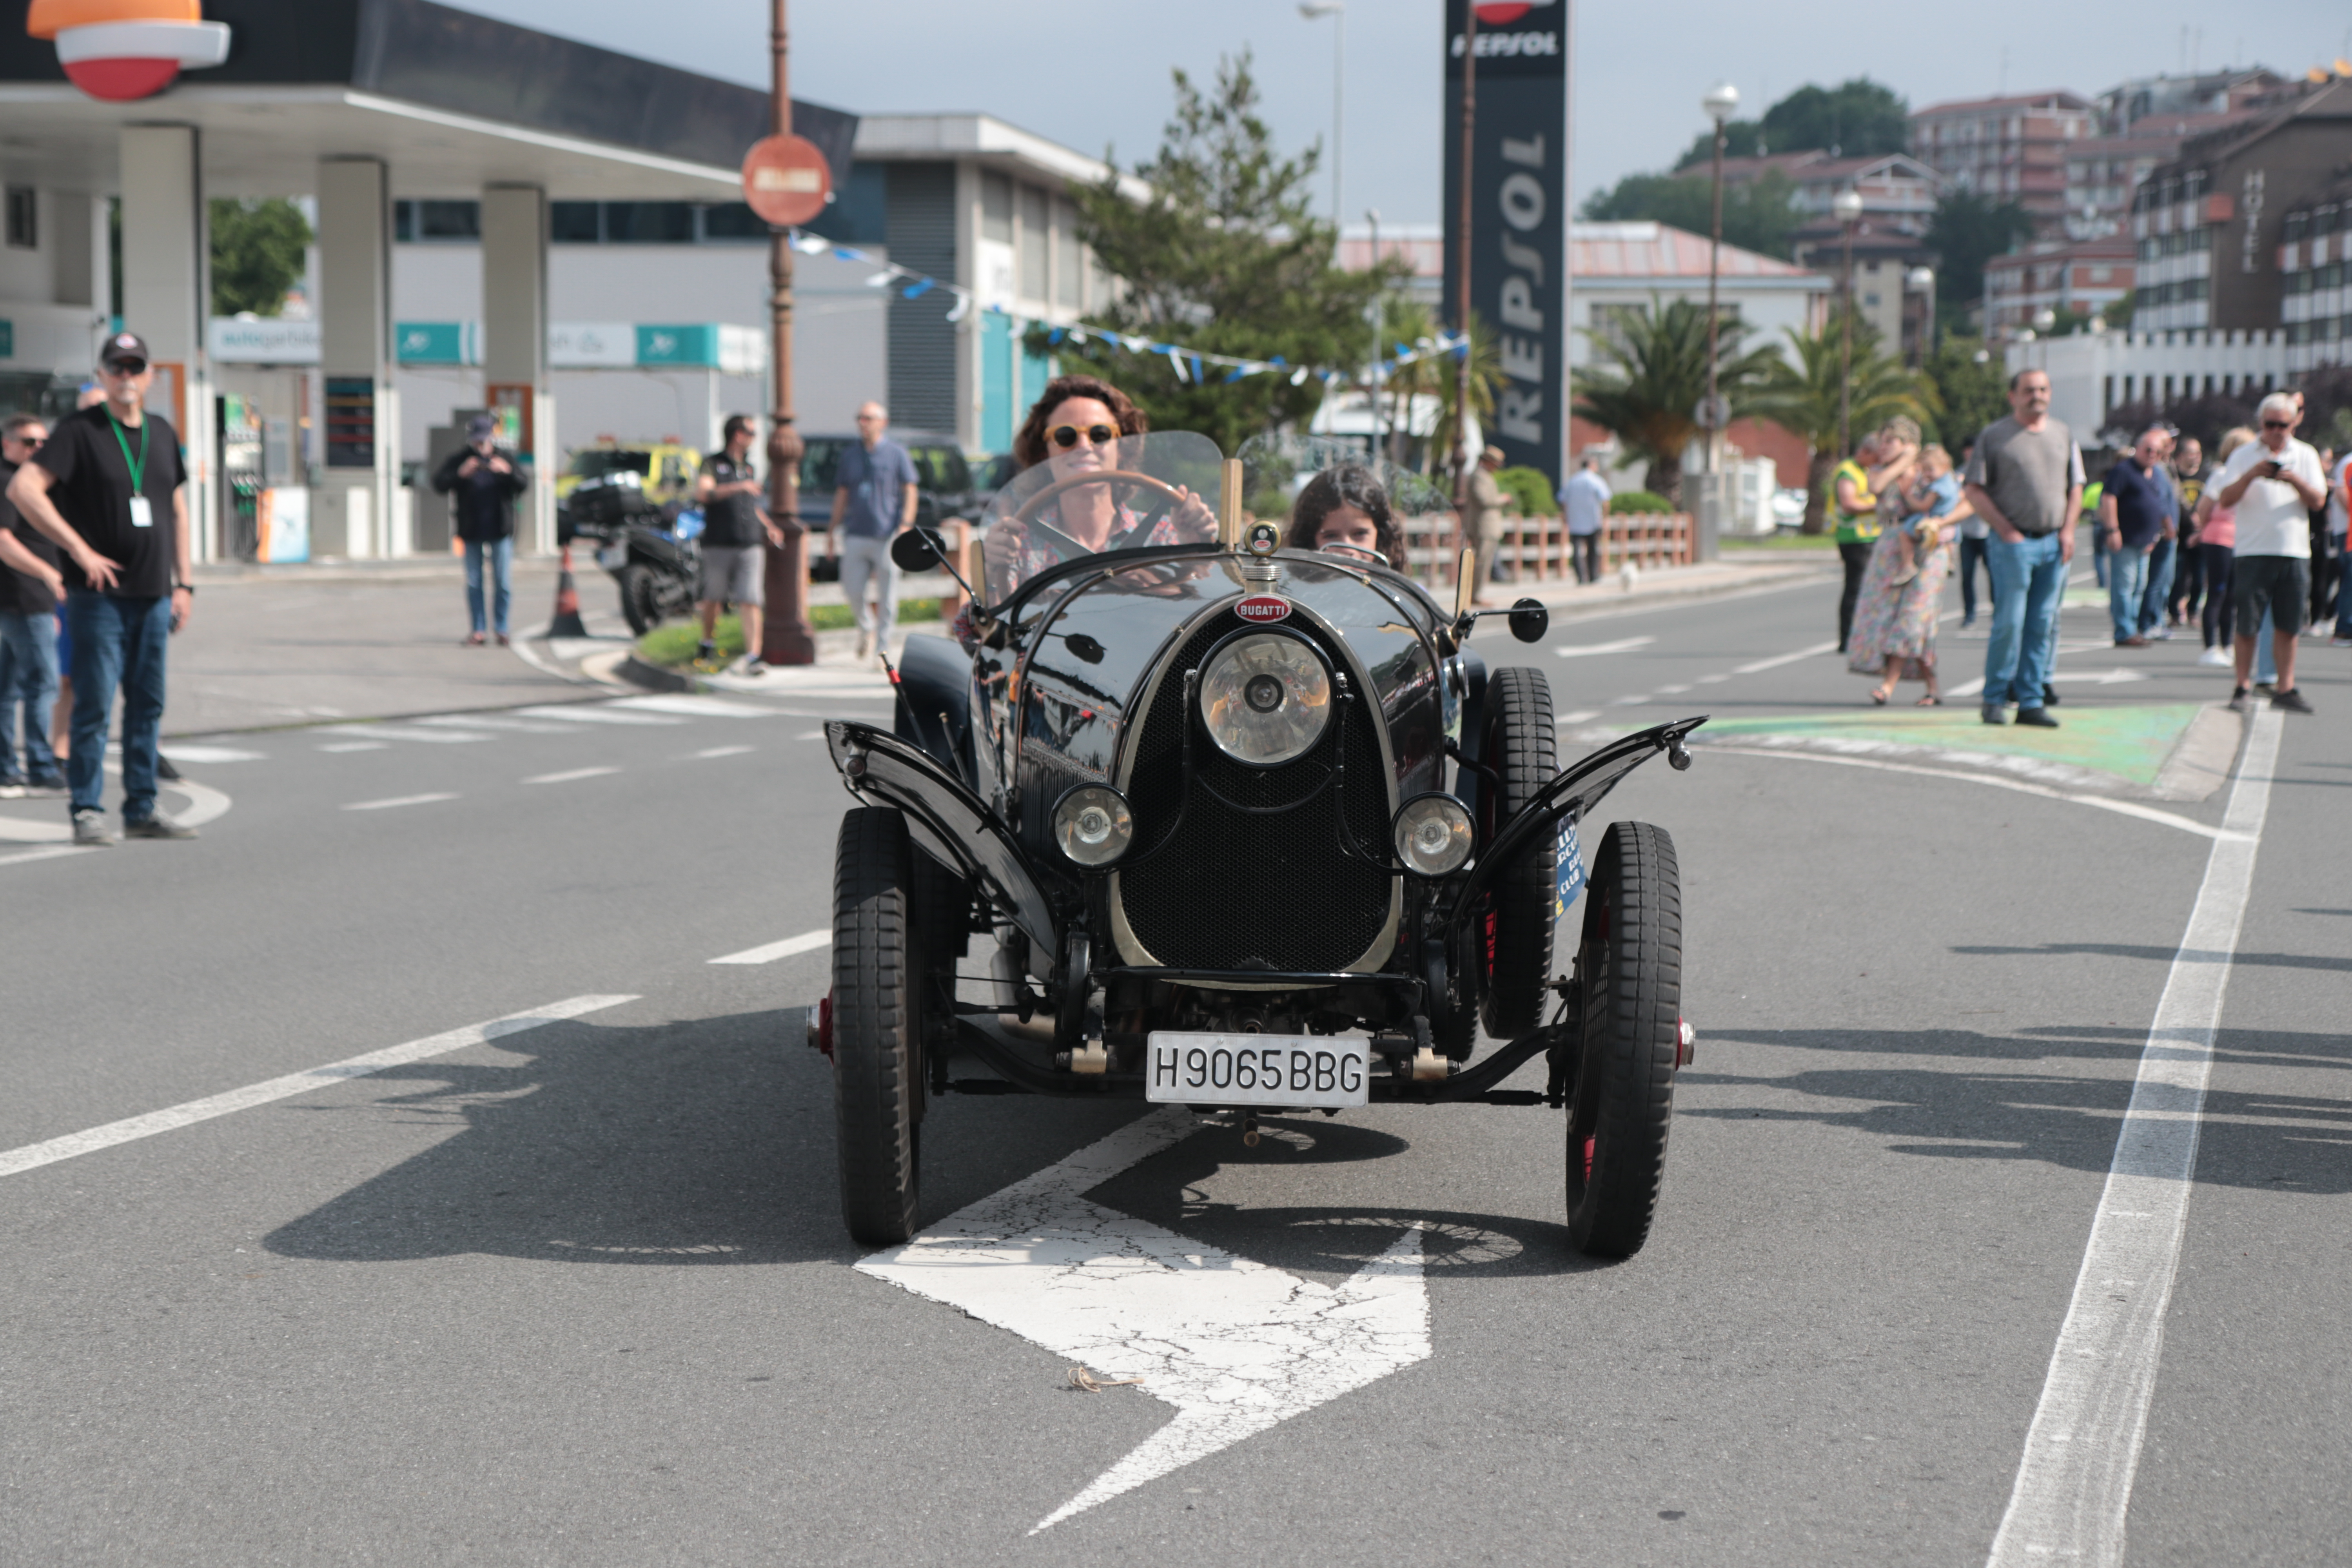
(786, 179)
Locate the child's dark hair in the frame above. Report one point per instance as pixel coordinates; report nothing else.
(1345, 484)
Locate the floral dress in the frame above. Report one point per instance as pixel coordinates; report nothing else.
(1898, 620)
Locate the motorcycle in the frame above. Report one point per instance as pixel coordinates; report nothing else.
(653, 551)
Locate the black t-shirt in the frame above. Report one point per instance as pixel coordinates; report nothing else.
(20, 593)
(93, 493)
(731, 522)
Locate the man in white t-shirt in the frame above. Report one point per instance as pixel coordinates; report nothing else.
(1585, 498)
(2275, 483)
(2339, 515)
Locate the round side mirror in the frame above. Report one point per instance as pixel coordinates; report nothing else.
(918, 550)
(1530, 620)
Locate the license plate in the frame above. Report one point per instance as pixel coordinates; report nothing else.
(613, 555)
(1306, 1070)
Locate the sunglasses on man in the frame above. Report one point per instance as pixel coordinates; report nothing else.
(126, 367)
(2278, 424)
(1068, 436)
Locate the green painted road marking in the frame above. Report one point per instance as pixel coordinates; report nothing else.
(2129, 741)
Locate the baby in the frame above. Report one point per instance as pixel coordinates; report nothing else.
(1935, 498)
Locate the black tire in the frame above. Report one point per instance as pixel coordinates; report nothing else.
(877, 1084)
(1631, 963)
(640, 597)
(1522, 745)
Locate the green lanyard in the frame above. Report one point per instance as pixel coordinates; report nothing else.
(138, 465)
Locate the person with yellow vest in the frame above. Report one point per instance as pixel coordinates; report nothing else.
(1884, 456)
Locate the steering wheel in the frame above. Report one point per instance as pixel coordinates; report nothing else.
(1035, 504)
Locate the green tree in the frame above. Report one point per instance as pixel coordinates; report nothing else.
(1650, 376)
(2118, 312)
(1860, 118)
(1224, 254)
(1801, 395)
(1407, 323)
(256, 254)
(1445, 371)
(1968, 231)
(1970, 386)
(1757, 214)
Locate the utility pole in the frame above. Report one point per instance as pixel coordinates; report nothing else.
(787, 636)
(1462, 264)
(1719, 103)
(1846, 207)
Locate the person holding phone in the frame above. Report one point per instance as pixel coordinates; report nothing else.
(109, 489)
(2274, 481)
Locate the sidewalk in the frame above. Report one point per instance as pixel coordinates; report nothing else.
(1730, 575)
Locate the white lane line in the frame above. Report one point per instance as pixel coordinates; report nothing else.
(723, 752)
(695, 706)
(209, 756)
(1593, 651)
(1633, 701)
(54, 852)
(2122, 807)
(399, 800)
(575, 774)
(487, 721)
(1672, 691)
(807, 942)
(1775, 662)
(1581, 716)
(430, 737)
(1711, 680)
(2082, 1453)
(34, 830)
(809, 735)
(33, 1155)
(596, 713)
(357, 746)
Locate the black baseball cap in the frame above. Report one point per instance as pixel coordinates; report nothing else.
(125, 346)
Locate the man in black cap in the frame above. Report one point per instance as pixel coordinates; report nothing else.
(484, 482)
(109, 489)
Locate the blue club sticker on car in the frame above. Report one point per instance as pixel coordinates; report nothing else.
(1571, 866)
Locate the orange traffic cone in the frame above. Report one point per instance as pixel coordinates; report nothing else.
(566, 623)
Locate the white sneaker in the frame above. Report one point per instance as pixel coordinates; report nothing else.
(864, 645)
(2216, 658)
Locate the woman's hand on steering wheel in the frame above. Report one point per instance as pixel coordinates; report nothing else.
(1194, 522)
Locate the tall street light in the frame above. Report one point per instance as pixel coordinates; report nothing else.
(1462, 264)
(1921, 280)
(1336, 10)
(1846, 207)
(1719, 103)
(786, 637)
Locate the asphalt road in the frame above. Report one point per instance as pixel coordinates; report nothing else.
(580, 1293)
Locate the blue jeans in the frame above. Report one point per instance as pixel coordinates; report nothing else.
(117, 642)
(2101, 562)
(2126, 587)
(2154, 606)
(499, 555)
(2343, 591)
(1973, 556)
(2027, 579)
(29, 678)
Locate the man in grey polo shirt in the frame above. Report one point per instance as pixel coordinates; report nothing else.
(2025, 479)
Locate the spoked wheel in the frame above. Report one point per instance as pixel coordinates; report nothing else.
(1522, 745)
(877, 1067)
(1631, 963)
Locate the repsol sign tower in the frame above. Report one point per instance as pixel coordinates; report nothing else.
(1518, 213)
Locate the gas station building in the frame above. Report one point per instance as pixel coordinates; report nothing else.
(504, 219)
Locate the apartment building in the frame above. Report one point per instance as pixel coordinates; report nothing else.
(2006, 149)
(2314, 264)
(2085, 276)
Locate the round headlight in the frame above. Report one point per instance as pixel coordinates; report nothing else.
(1092, 826)
(1432, 834)
(1266, 699)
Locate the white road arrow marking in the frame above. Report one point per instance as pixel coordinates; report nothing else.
(1592, 650)
(1235, 1346)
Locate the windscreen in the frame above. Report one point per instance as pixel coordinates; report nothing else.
(1096, 493)
(1324, 488)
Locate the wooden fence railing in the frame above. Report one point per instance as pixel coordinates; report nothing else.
(1538, 546)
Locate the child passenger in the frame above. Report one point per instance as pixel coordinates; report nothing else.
(1935, 498)
(1344, 511)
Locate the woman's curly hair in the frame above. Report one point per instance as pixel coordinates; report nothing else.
(1029, 446)
(1345, 484)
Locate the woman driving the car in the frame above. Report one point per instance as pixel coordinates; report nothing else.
(1344, 511)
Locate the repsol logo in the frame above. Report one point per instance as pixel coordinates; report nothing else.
(1506, 46)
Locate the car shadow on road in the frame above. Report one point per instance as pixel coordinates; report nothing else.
(2283, 1141)
(2156, 954)
(703, 1141)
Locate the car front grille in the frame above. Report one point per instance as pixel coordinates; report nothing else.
(1239, 890)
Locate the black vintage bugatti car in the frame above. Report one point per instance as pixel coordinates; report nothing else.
(1237, 827)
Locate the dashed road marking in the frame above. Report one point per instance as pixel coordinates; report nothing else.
(400, 800)
(1581, 716)
(807, 942)
(357, 746)
(597, 713)
(430, 737)
(568, 776)
(33, 1155)
(723, 752)
(54, 852)
(1761, 665)
(1594, 650)
(695, 706)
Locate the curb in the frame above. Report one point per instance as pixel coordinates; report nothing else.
(652, 677)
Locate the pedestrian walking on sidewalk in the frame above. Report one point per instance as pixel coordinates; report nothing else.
(484, 482)
(2182, 604)
(31, 589)
(1882, 459)
(2339, 519)
(2134, 512)
(873, 497)
(735, 524)
(1585, 501)
(2025, 479)
(109, 489)
(1483, 501)
(2274, 481)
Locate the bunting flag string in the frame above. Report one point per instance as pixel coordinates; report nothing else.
(1189, 363)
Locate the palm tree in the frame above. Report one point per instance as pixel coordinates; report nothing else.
(1651, 376)
(1801, 397)
(1407, 321)
(1445, 371)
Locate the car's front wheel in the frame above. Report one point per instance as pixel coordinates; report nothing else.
(878, 1083)
(1630, 966)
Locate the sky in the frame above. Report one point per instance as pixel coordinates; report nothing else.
(1096, 75)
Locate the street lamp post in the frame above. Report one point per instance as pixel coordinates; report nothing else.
(1337, 11)
(1846, 207)
(1462, 264)
(786, 637)
(2045, 324)
(1719, 104)
(1921, 280)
